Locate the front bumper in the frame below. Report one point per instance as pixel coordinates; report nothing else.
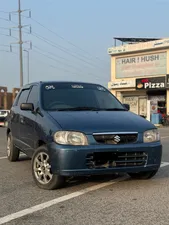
(72, 160)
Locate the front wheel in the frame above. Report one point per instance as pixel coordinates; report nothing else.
(143, 175)
(41, 171)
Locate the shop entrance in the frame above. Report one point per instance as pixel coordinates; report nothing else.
(138, 104)
(157, 103)
(142, 106)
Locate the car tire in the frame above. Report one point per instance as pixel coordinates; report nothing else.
(12, 150)
(41, 171)
(143, 175)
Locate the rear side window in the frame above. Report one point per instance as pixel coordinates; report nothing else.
(23, 97)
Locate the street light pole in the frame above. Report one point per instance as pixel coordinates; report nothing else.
(27, 64)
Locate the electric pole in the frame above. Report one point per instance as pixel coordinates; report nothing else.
(20, 43)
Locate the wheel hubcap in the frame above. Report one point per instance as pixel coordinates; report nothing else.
(8, 146)
(42, 168)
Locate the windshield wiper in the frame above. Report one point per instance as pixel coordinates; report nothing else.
(91, 109)
(80, 109)
(115, 109)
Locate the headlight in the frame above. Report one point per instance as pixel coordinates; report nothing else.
(151, 136)
(70, 138)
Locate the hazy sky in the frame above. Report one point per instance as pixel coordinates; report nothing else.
(90, 25)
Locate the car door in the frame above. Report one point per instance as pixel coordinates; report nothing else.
(14, 117)
(27, 127)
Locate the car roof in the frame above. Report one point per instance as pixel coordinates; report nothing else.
(52, 81)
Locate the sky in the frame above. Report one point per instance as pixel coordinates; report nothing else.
(70, 38)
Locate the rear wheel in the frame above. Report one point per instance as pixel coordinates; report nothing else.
(12, 150)
(41, 171)
(143, 175)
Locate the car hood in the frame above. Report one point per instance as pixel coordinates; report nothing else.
(101, 121)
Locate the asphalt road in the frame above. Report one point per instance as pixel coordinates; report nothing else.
(101, 201)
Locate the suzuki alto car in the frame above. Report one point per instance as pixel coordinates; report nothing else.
(72, 129)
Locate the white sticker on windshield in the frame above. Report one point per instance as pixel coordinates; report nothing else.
(77, 86)
(101, 88)
(49, 87)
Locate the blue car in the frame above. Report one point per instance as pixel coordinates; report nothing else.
(72, 129)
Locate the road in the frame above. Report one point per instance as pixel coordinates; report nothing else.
(101, 201)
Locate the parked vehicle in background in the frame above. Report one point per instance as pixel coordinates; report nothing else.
(79, 129)
(3, 116)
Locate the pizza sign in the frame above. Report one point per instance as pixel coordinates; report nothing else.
(151, 83)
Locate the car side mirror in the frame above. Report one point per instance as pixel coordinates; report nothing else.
(127, 106)
(27, 107)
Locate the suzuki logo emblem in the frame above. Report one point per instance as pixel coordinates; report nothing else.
(117, 138)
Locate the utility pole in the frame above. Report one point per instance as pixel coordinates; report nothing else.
(20, 43)
(27, 63)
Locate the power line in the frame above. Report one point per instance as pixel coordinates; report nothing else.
(56, 60)
(57, 56)
(53, 44)
(4, 19)
(4, 12)
(61, 37)
(8, 36)
(62, 68)
(8, 52)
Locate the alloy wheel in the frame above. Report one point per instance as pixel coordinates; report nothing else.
(42, 168)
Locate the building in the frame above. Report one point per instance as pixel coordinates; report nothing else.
(7, 98)
(139, 74)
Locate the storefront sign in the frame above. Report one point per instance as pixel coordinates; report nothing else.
(140, 46)
(151, 83)
(141, 66)
(122, 84)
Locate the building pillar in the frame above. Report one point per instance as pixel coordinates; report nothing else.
(167, 102)
(113, 92)
(119, 96)
(5, 100)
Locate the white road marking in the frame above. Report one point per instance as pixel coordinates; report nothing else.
(164, 164)
(164, 137)
(55, 201)
(4, 157)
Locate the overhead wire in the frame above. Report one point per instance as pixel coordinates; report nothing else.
(61, 37)
(53, 44)
(62, 68)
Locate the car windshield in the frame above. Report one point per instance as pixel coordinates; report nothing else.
(69, 96)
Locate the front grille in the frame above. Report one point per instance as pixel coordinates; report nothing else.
(119, 138)
(100, 160)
